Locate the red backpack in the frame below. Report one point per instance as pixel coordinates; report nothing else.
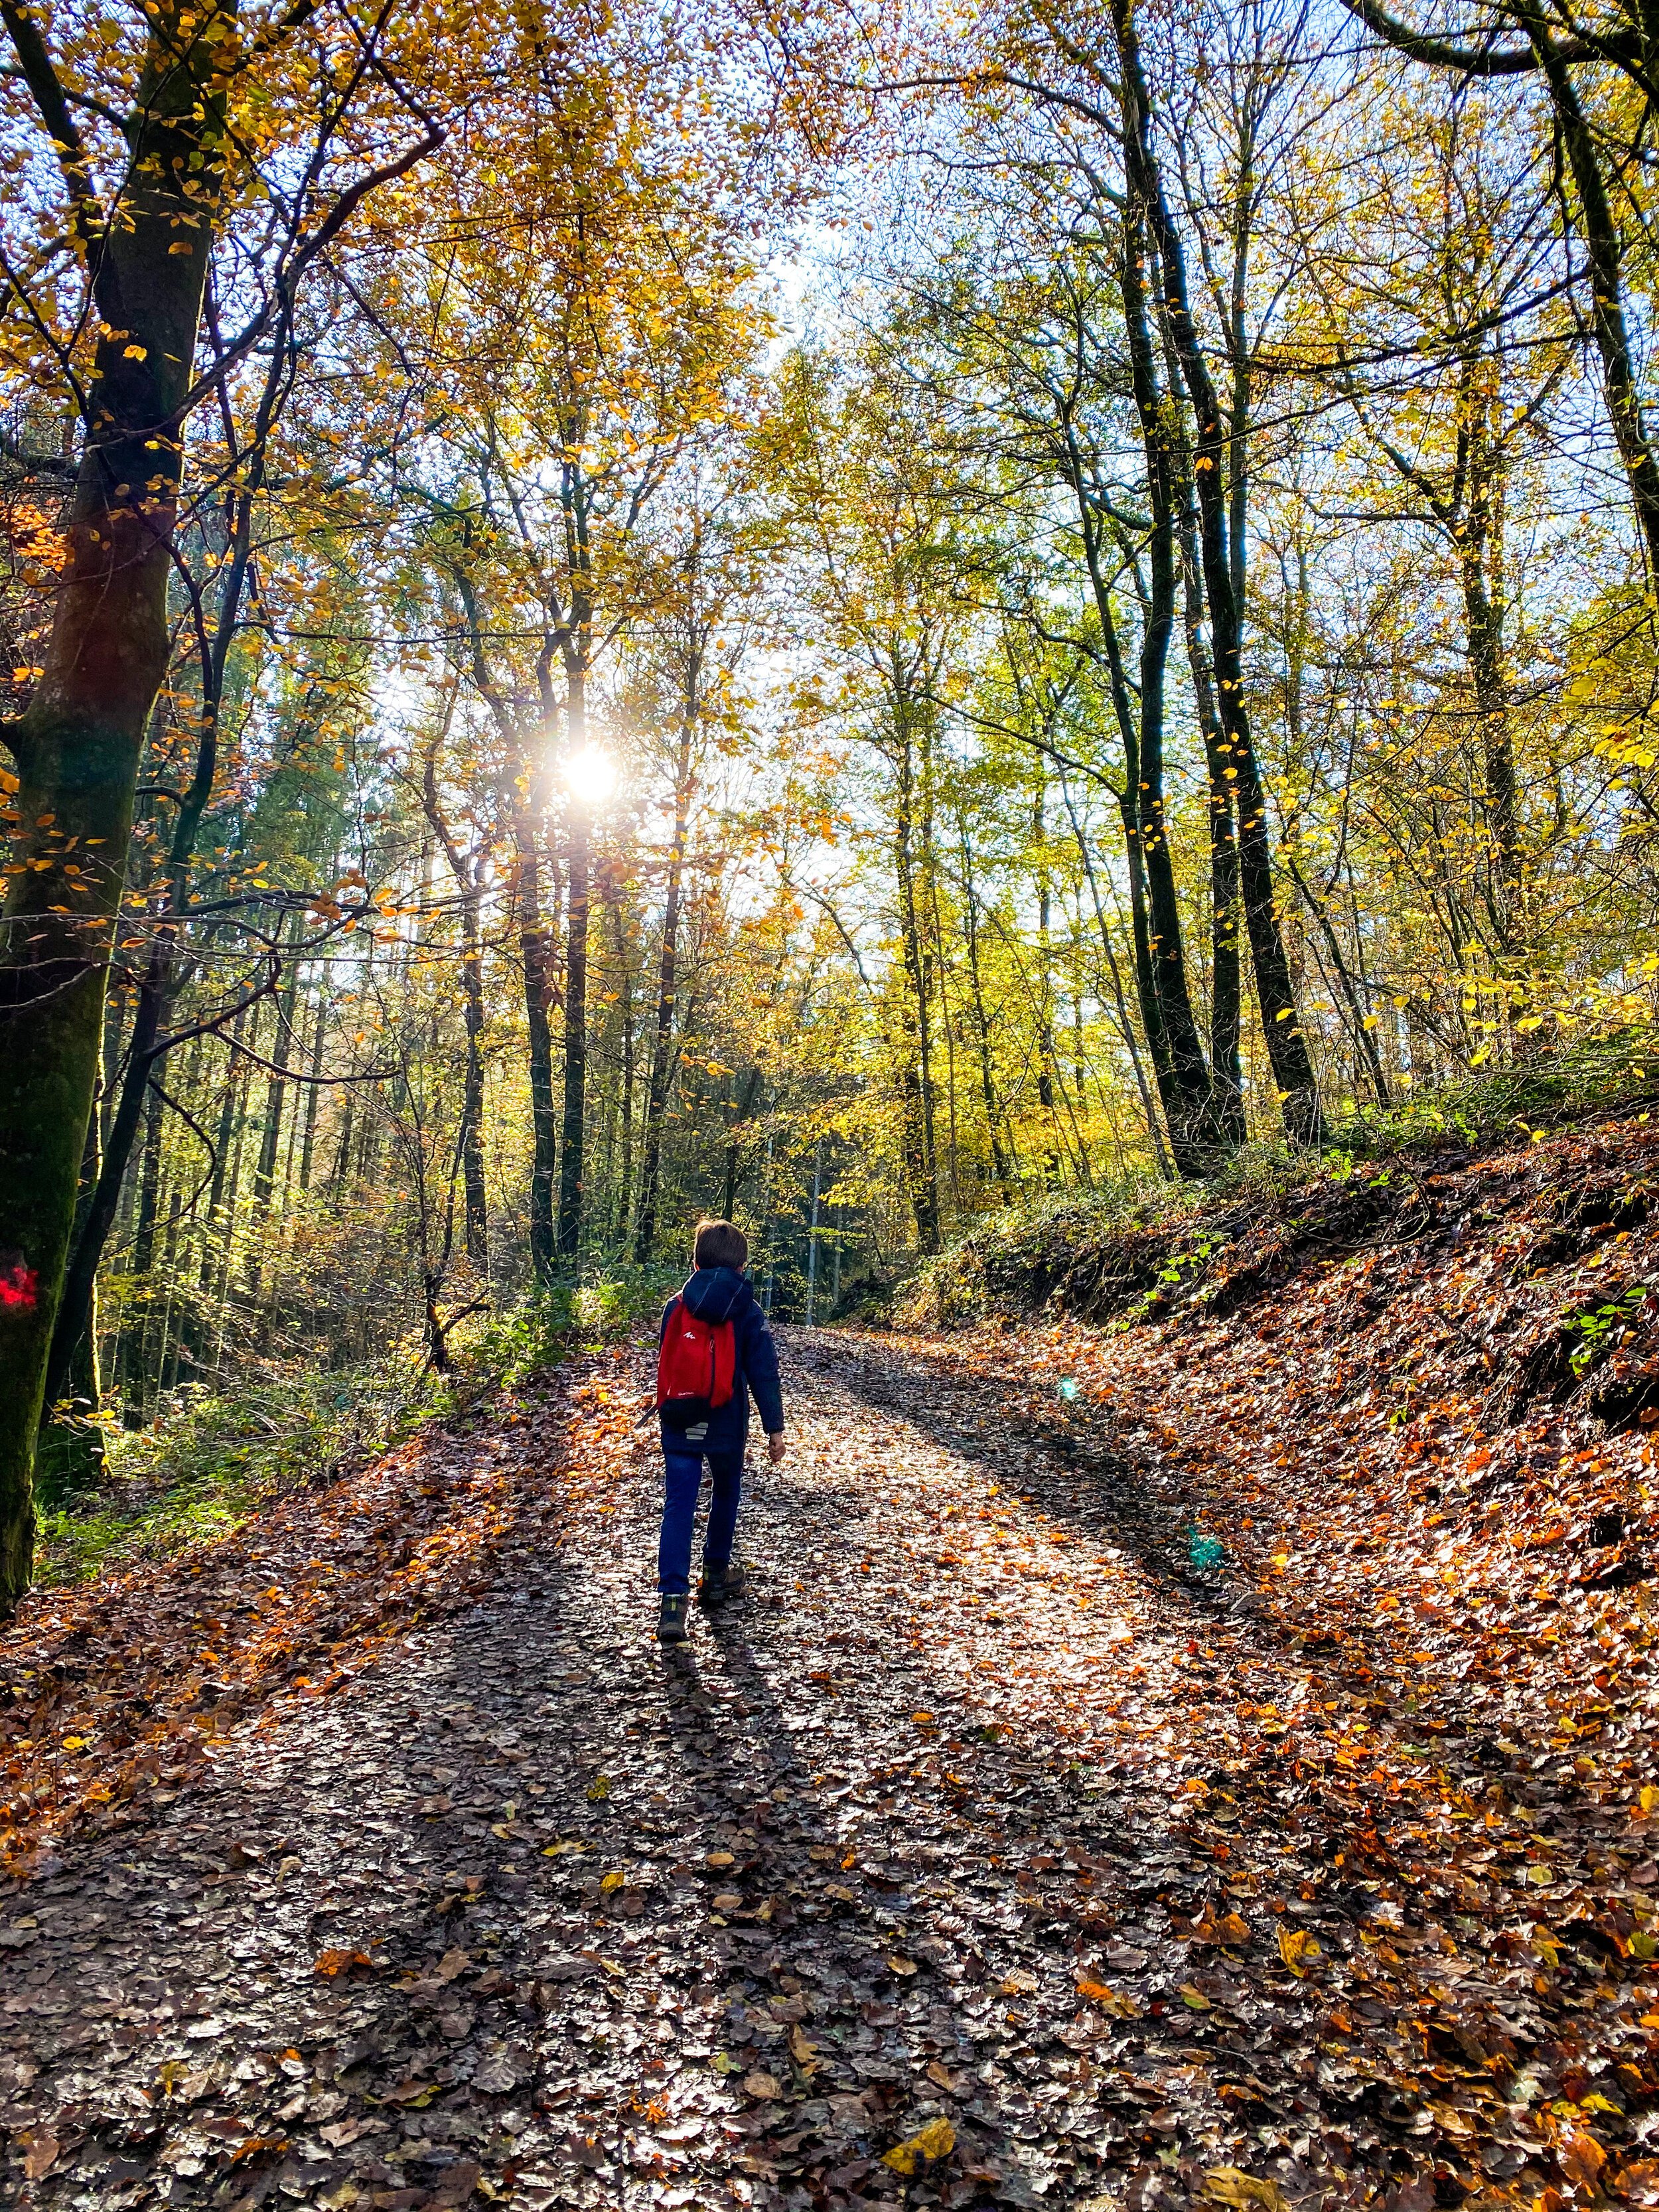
(695, 1367)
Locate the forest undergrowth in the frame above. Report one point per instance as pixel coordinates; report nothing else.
(210, 1458)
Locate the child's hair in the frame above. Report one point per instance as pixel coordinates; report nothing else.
(719, 1245)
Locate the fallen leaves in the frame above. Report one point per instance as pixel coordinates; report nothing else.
(117, 1673)
(1243, 2192)
(1108, 1999)
(1582, 2159)
(40, 2149)
(1239, 1817)
(331, 1965)
(937, 2139)
(1299, 1950)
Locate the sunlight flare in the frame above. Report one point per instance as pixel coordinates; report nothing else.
(590, 775)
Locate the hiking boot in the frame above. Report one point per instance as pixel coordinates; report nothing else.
(720, 1583)
(671, 1624)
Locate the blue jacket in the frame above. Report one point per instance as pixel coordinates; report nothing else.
(716, 1294)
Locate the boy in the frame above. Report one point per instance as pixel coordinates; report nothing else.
(715, 1293)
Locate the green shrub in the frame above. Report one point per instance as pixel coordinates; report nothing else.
(223, 1456)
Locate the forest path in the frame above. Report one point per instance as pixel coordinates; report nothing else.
(535, 1911)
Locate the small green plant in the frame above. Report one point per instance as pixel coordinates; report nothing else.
(506, 1348)
(1175, 1270)
(1605, 1328)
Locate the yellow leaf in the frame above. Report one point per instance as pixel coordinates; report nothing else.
(1649, 1801)
(898, 1965)
(75, 1742)
(598, 1788)
(804, 2052)
(1108, 1999)
(559, 1851)
(135, 353)
(1195, 1999)
(613, 1880)
(720, 1859)
(1230, 2184)
(1298, 1950)
(937, 2139)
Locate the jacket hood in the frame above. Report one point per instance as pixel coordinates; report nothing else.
(715, 1294)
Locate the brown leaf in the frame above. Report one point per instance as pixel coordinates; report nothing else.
(40, 2151)
(1582, 2158)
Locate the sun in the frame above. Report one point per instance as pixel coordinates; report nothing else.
(590, 775)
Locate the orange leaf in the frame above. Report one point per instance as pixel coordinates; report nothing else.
(334, 1963)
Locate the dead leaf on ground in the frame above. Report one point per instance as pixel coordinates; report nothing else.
(1231, 2185)
(937, 2139)
(40, 2151)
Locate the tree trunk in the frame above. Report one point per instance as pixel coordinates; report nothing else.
(574, 1135)
(1051, 1163)
(982, 1026)
(282, 1048)
(1483, 616)
(78, 745)
(535, 954)
(314, 1090)
(135, 1332)
(662, 1061)
(1287, 1046)
(1226, 948)
(915, 1074)
(624, 1214)
(1182, 1071)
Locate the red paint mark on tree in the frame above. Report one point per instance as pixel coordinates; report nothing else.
(19, 1285)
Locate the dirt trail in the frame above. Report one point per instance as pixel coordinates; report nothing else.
(951, 1819)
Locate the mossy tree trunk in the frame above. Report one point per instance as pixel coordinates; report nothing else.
(77, 746)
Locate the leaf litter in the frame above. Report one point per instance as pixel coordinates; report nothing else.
(995, 1851)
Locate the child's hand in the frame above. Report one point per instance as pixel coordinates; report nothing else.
(776, 1448)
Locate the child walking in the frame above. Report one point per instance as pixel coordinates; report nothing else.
(714, 1349)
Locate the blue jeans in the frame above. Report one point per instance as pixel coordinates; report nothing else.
(683, 1479)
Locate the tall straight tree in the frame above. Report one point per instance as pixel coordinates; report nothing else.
(1285, 1038)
